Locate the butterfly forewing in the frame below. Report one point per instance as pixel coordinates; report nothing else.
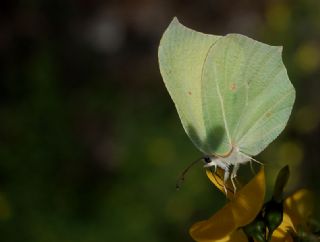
(182, 52)
(230, 92)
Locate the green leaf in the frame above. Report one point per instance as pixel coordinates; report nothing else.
(282, 179)
(229, 91)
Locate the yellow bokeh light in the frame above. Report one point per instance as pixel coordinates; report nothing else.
(278, 16)
(160, 150)
(291, 153)
(5, 209)
(306, 119)
(307, 57)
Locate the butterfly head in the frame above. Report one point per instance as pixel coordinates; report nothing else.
(207, 159)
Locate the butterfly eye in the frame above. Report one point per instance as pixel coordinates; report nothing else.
(207, 159)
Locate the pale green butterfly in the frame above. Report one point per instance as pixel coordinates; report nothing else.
(232, 93)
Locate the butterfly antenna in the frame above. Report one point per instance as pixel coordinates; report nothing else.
(185, 171)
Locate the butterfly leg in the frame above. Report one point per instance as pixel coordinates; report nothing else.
(251, 167)
(234, 176)
(225, 178)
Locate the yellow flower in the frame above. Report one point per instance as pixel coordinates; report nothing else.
(226, 224)
(242, 209)
(297, 210)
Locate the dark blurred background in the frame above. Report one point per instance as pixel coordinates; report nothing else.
(90, 142)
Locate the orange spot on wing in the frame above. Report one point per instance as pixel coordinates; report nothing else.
(233, 86)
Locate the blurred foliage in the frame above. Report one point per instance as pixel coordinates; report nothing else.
(91, 144)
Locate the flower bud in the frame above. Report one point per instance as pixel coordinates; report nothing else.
(256, 229)
(281, 181)
(273, 215)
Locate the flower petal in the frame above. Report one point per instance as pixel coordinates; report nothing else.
(218, 227)
(240, 211)
(297, 209)
(286, 237)
(216, 179)
(299, 206)
(238, 236)
(249, 200)
(282, 232)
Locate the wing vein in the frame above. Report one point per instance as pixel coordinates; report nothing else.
(265, 59)
(269, 132)
(219, 93)
(246, 86)
(261, 117)
(222, 110)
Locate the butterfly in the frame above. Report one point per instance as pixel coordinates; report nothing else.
(232, 93)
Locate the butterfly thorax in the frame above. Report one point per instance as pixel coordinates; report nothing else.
(235, 157)
(229, 163)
